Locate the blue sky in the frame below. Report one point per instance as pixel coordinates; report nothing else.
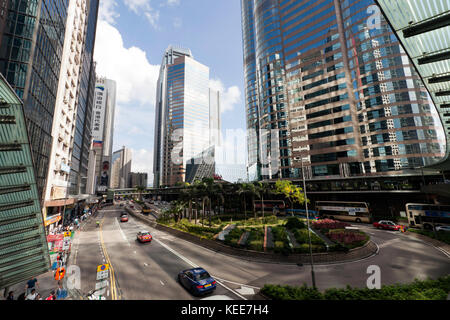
(131, 38)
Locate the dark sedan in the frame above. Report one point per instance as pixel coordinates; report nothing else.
(197, 281)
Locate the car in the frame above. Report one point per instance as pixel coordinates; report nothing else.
(124, 218)
(443, 228)
(144, 236)
(197, 281)
(387, 225)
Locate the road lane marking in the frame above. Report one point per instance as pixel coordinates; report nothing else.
(111, 274)
(162, 283)
(196, 266)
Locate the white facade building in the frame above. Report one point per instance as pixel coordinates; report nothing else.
(64, 120)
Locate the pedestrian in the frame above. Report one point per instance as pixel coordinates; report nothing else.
(32, 295)
(31, 284)
(52, 296)
(10, 296)
(21, 296)
(38, 297)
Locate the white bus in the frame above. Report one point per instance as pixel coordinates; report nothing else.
(427, 216)
(344, 210)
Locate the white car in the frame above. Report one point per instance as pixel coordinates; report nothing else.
(442, 228)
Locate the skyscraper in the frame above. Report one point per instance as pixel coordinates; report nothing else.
(327, 89)
(85, 102)
(102, 132)
(65, 150)
(182, 125)
(32, 39)
(121, 168)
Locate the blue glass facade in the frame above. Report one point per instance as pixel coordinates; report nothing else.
(337, 94)
(32, 36)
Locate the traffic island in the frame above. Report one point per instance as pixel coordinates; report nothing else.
(233, 245)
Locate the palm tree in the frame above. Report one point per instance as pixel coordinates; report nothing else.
(140, 190)
(262, 188)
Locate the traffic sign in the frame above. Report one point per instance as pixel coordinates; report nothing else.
(102, 267)
(60, 273)
(101, 284)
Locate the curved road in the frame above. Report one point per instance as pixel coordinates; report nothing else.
(149, 271)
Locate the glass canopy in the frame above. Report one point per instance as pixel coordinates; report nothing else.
(23, 244)
(423, 28)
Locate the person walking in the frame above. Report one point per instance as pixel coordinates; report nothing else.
(10, 296)
(32, 295)
(52, 296)
(31, 284)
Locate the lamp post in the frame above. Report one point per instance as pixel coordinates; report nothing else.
(307, 221)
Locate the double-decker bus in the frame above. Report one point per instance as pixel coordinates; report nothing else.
(427, 216)
(344, 210)
(146, 209)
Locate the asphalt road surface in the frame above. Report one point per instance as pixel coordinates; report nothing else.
(149, 271)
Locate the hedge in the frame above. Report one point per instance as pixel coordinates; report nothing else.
(418, 290)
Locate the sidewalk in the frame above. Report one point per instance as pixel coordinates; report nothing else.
(46, 281)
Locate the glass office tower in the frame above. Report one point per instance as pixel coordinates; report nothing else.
(32, 39)
(182, 125)
(330, 89)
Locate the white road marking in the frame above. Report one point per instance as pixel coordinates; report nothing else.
(162, 283)
(196, 266)
(246, 291)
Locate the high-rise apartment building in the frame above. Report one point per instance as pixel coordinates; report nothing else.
(102, 133)
(31, 47)
(182, 125)
(67, 105)
(329, 89)
(121, 168)
(85, 103)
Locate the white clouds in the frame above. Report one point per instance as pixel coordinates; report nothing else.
(136, 77)
(173, 3)
(107, 11)
(228, 96)
(144, 7)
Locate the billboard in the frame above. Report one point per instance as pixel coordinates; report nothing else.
(98, 112)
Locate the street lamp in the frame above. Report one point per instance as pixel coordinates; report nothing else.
(307, 221)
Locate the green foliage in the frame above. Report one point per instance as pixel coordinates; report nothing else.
(233, 237)
(418, 290)
(294, 223)
(443, 236)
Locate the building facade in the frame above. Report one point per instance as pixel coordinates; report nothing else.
(24, 250)
(121, 168)
(330, 92)
(32, 40)
(182, 119)
(102, 131)
(137, 179)
(56, 195)
(85, 103)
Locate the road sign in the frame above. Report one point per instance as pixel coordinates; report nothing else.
(101, 284)
(60, 273)
(102, 267)
(102, 271)
(67, 234)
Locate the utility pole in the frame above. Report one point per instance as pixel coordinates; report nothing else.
(309, 230)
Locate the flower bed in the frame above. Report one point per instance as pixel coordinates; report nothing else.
(329, 224)
(347, 238)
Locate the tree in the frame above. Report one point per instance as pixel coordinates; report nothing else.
(262, 189)
(292, 192)
(140, 190)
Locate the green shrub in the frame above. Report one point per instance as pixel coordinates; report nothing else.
(294, 223)
(418, 290)
(270, 220)
(257, 245)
